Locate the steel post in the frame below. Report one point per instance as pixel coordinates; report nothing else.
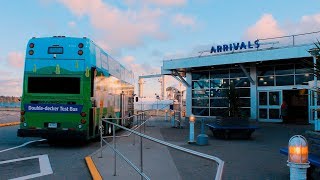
(100, 128)
(141, 154)
(115, 147)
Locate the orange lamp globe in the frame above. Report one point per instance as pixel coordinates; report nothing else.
(192, 118)
(298, 149)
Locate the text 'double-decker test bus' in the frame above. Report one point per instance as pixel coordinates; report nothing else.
(69, 84)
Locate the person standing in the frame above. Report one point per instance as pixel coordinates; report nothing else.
(284, 111)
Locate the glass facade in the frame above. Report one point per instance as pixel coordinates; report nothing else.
(284, 75)
(274, 79)
(210, 88)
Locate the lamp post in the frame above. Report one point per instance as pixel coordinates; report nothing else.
(192, 119)
(298, 157)
(315, 54)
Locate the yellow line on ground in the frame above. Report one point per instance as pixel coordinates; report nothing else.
(10, 124)
(92, 168)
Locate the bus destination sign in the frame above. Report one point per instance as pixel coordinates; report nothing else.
(53, 108)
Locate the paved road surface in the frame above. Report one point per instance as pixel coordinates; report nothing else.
(66, 160)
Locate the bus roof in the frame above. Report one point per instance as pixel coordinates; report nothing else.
(61, 47)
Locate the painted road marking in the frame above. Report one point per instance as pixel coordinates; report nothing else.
(44, 163)
(93, 169)
(10, 124)
(22, 145)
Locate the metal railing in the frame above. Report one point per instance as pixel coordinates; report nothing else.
(266, 43)
(141, 119)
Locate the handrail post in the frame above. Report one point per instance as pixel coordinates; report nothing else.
(115, 154)
(293, 40)
(134, 135)
(141, 154)
(100, 128)
(144, 121)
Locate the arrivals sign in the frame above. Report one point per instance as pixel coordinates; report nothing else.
(53, 108)
(235, 46)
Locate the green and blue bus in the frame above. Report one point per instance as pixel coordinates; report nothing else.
(69, 84)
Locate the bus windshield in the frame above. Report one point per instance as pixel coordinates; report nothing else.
(56, 85)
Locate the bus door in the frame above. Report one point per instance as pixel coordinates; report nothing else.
(92, 113)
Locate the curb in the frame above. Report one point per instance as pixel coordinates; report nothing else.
(10, 124)
(93, 169)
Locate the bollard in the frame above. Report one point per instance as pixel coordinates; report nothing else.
(298, 157)
(202, 139)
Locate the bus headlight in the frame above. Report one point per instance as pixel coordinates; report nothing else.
(25, 124)
(80, 126)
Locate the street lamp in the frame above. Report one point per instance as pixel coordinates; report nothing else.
(298, 157)
(315, 54)
(192, 119)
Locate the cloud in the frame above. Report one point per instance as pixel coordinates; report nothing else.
(121, 28)
(163, 3)
(167, 2)
(139, 69)
(15, 59)
(307, 23)
(184, 20)
(11, 87)
(265, 27)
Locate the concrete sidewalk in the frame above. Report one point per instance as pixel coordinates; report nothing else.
(257, 158)
(157, 160)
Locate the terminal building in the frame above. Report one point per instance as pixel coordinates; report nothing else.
(263, 72)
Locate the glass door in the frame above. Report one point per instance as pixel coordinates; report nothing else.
(312, 105)
(269, 106)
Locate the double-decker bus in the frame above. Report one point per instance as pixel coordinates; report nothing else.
(69, 84)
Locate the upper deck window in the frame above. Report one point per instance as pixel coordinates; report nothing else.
(54, 85)
(55, 50)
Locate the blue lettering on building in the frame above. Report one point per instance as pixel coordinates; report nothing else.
(53, 108)
(235, 46)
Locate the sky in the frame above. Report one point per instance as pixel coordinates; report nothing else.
(142, 33)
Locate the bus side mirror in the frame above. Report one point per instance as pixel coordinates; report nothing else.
(137, 99)
(93, 102)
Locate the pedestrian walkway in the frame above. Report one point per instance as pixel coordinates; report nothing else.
(157, 160)
(257, 158)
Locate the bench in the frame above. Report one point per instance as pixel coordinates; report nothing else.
(226, 131)
(313, 159)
